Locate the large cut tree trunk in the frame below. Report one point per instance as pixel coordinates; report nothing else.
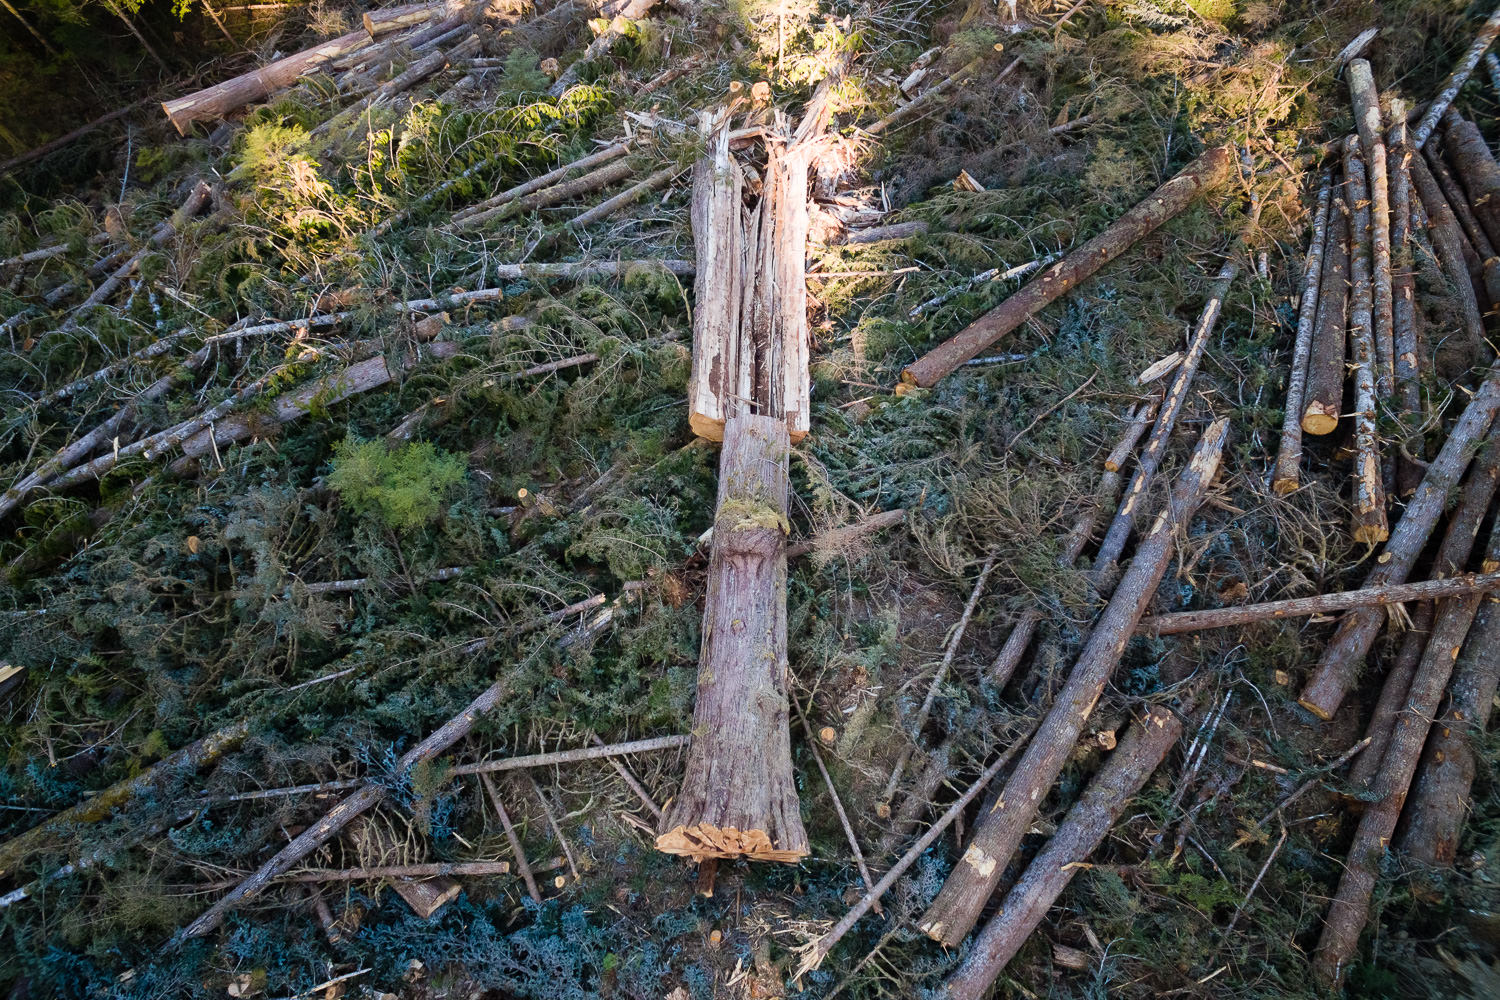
(718, 238)
(739, 797)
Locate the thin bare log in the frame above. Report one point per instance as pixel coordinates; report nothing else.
(1448, 243)
(1403, 284)
(1376, 596)
(523, 866)
(963, 896)
(600, 48)
(1324, 400)
(1123, 523)
(489, 208)
(1287, 474)
(838, 803)
(625, 198)
(1123, 775)
(1366, 99)
(1163, 204)
(1456, 79)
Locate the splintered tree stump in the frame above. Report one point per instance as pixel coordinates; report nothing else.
(739, 795)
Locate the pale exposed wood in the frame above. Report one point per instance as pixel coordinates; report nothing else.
(629, 196)
(600, 47)
(718, 236)
(1366, 99)
(958, 906)
(1456, 79)
(1404, 306)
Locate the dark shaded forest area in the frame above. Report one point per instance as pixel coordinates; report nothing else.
(787, 498)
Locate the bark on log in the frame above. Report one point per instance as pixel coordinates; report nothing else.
(629, 196)
(1440, 795)
(1105, 496)
(1403, 285)
(967, 889)
(601, 47)
(1286, 476)
(1123, 523)
(1325, 366)
(1451, 558)
(1345, 653)
(233, 94)
(1123, 775)
(490, 207)
(52, 146)
(346, 811)
(1366, 100)
(1448, 242)
(1477, 169)
(1376, 596)
(383, 22)
(402, 82)
(1163, 204)
(718, 239)
(739, 794)
(1482, 41)
(1479, 252)
(1351, 904)
(1368, 490)
(894, 231)
(596, 180)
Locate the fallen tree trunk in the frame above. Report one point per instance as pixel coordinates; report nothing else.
(404, 81)
(1477, 169)
(1447, 242)
(1123, 775)
(1452, 556)
(1344, 655)
(1366, 100)
(382, 22)
(629, 196)
(1479, 252)
(1123, 523)
(1324, 400)
(1374, 596)
(1161, 205)
(1287, 474)
(1368, 499)
(963, 896)
(489, 208)
(233, 94)
(1105, 496)
(51, 832)
(599, 48)
(1440, 796)
(739, 795)
(718, 242)
(1456, 79)
(1404, 314)
(1351, 905)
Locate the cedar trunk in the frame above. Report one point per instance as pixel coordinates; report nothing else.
(739, 795)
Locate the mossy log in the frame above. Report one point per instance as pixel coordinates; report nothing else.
(739, 794)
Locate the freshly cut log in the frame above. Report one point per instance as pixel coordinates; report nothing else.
(1144, 747)
(1449, 562)
(718, 236)
(1368, 500)
(382, 22)
(1325, 365)
(1366, 99)
(1105, 496)
(1351, 904)
(1440, 798)
(1287, 474)
(1123, 523)
(999, 833)
(1479, 252)
(233, 94)
(1456, 79)
(739, 793)
(1345, 653)
(629, 196)
(1161, 205)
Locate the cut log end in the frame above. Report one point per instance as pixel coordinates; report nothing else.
(706, 841)
(1371, 534)
(706, 427)
(1284, 486)
(1318, 420)
(1312, 706)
